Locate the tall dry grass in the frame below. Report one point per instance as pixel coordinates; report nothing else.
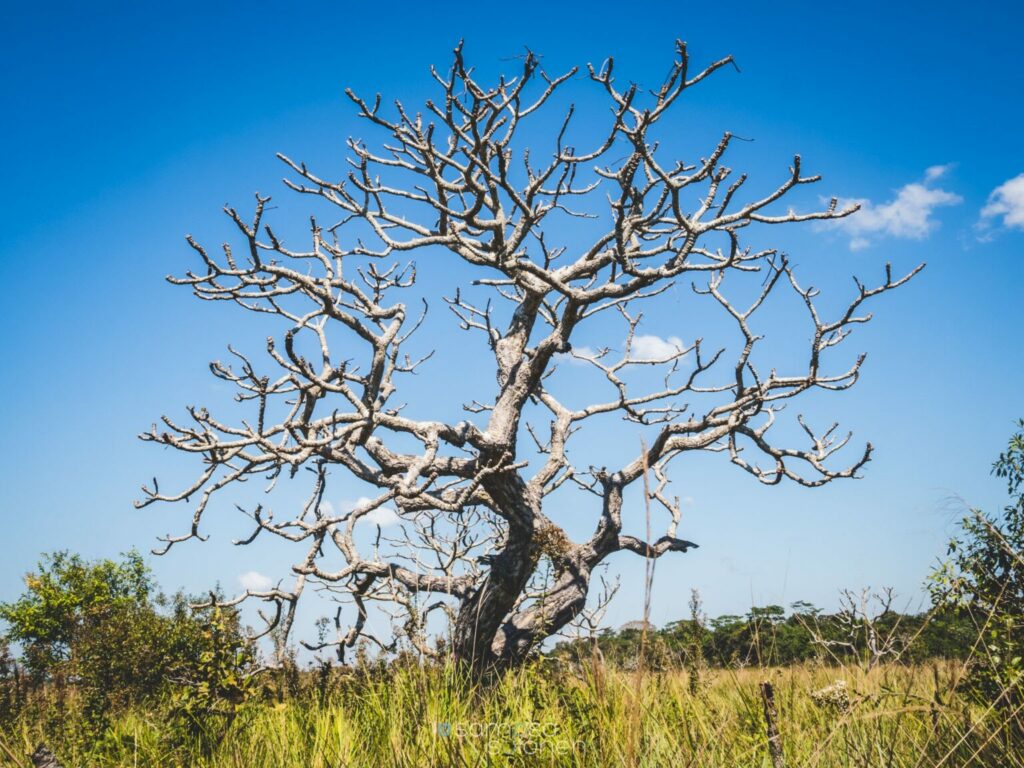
(420, 716)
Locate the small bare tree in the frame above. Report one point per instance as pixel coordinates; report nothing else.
(861, 629)
(456, 185)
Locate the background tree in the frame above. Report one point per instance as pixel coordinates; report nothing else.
(67, 597)
(865, 628)
(467, 182)
(105, 628)
(984, 580)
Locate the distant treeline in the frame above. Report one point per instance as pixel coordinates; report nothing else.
(768, 636)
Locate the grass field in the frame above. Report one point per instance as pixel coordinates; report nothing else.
(576, 716)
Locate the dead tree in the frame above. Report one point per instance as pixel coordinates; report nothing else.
(862, 628)
(456, 185)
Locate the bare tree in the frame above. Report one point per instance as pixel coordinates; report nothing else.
(861, 629)
(453, 185)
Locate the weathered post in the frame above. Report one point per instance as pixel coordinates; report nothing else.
(44, 758)
(771, 717)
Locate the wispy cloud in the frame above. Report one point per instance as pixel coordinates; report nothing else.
(936, 171)
(646, 348)
(1007, 203)
(255, 581)
(908, 215)
(385, 517)
(649, 348)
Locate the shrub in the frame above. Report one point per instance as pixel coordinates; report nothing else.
(984, 578)
(103, 627)
(213, 686)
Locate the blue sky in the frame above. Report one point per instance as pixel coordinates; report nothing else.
(125, 128)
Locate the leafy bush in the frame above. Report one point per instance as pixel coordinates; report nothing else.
(65, 598)
(984, 579)
(767, 636)
(215, 684)
(103, 627)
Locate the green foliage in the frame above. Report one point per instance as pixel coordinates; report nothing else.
(984, 579)
(151, 682)
(67, 596)
(695, 636)
(768, 636)
(102, 628)
(11, 686)
(214, 686)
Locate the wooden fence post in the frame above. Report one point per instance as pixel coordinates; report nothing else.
(44, 758)
(771, 717)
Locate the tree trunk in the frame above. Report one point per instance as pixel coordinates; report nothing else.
(489, 636)
(482, 613)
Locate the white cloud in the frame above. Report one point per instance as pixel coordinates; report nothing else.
(349, 506)
(688, 502)
(654, 348)
(255, 581)
(907, 215)
(936, 172)
(1006, 201)
(385, 517)
(646, 348)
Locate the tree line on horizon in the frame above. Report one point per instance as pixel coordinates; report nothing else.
(772, 636)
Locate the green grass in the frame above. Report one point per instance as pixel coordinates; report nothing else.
(580, 716)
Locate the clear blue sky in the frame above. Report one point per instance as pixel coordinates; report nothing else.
(126, 126)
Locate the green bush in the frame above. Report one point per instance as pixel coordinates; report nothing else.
(65, 598)
(984, 579)
(214, 685)
(104, 629)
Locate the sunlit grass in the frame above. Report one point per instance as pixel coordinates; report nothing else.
(590, 715)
